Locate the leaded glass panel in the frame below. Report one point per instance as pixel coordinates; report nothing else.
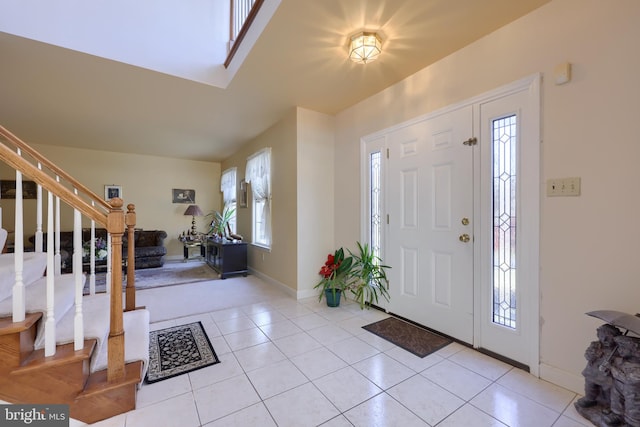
(504, 221)
(375, 164)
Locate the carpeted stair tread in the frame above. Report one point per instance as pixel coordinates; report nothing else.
(36, 301)
(136, 341)
(96, 309)
(95, 319)
(34, 265)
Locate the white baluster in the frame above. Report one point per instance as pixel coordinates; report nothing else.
(58, 257)
(50, 324)
(77, 272)
(18, 287)
(38, 237)
(108, 276)
(92, 258)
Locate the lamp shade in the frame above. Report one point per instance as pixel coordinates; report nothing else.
(193, 210)
(365, 47)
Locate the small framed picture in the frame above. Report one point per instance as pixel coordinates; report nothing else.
(184, 196)
(112, 191)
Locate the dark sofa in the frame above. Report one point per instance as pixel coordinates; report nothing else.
(149, 246)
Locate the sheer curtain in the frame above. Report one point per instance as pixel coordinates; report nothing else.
(258, 173)
(228, 186)
(228, 189)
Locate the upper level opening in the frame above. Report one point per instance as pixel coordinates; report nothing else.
(190, 40)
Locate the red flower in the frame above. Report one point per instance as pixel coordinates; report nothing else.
(329, 267)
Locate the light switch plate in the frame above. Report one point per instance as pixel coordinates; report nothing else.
(563, 187)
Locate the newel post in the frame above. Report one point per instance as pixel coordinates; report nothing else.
(115, 227)
(130, 221)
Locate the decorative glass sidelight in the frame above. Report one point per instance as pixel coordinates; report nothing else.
(504, 140)
(375, 170)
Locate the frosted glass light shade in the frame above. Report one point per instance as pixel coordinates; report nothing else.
(365, 47)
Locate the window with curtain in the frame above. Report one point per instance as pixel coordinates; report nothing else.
(228, 188)
(258, 174)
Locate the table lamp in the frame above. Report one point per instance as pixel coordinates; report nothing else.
(194, 211)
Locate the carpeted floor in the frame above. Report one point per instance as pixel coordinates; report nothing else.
(412, 338)
(177, 350)
(174, 273)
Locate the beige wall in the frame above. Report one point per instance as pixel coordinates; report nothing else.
(277, 264)
(315, 196)
(589, 243)
(146, 181)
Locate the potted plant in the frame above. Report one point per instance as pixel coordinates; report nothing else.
(335, 277)
(220, 222)
(368, 277)
(362, 274)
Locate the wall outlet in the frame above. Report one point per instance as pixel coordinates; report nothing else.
(563, 187)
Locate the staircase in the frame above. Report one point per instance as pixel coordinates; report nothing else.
(58, 346)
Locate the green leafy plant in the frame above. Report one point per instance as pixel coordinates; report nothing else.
(368, 277)
(220, 222)
(362, 274)
(335, 273)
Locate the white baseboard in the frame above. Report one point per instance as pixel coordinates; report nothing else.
(273, 281)
(307, 293)
(298, 295)
(565, 379)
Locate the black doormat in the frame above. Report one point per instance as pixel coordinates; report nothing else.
(178, 350)
(412, 338)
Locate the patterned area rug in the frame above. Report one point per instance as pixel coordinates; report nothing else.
(412, 338)
(178, 350)
(175, 273)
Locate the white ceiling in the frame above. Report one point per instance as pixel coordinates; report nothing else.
(54, 95)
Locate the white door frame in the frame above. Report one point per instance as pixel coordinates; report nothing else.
(530, 188)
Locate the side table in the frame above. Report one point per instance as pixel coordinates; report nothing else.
(188, 245)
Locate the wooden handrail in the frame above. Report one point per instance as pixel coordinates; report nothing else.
(50, 184)
(243, 31)
(53, 167)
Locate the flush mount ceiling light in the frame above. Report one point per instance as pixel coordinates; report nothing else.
(365, 47)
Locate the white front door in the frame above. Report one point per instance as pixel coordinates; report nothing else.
(429, 200)
(435, 191)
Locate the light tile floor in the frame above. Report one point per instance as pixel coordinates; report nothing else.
(300, 363)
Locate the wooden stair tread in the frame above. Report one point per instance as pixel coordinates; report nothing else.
(98, 383)
(65, 354)
(7, 326)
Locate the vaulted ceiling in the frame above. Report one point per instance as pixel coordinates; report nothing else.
(60, 96)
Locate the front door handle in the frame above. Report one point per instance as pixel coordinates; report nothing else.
(464, 238)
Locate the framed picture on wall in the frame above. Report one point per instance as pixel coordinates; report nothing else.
(184, 195)
(112, 191)
(8, 189)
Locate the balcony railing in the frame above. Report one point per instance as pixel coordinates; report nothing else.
(243, 12)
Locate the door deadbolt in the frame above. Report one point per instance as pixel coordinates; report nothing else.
(465, 221)
(464, 238)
